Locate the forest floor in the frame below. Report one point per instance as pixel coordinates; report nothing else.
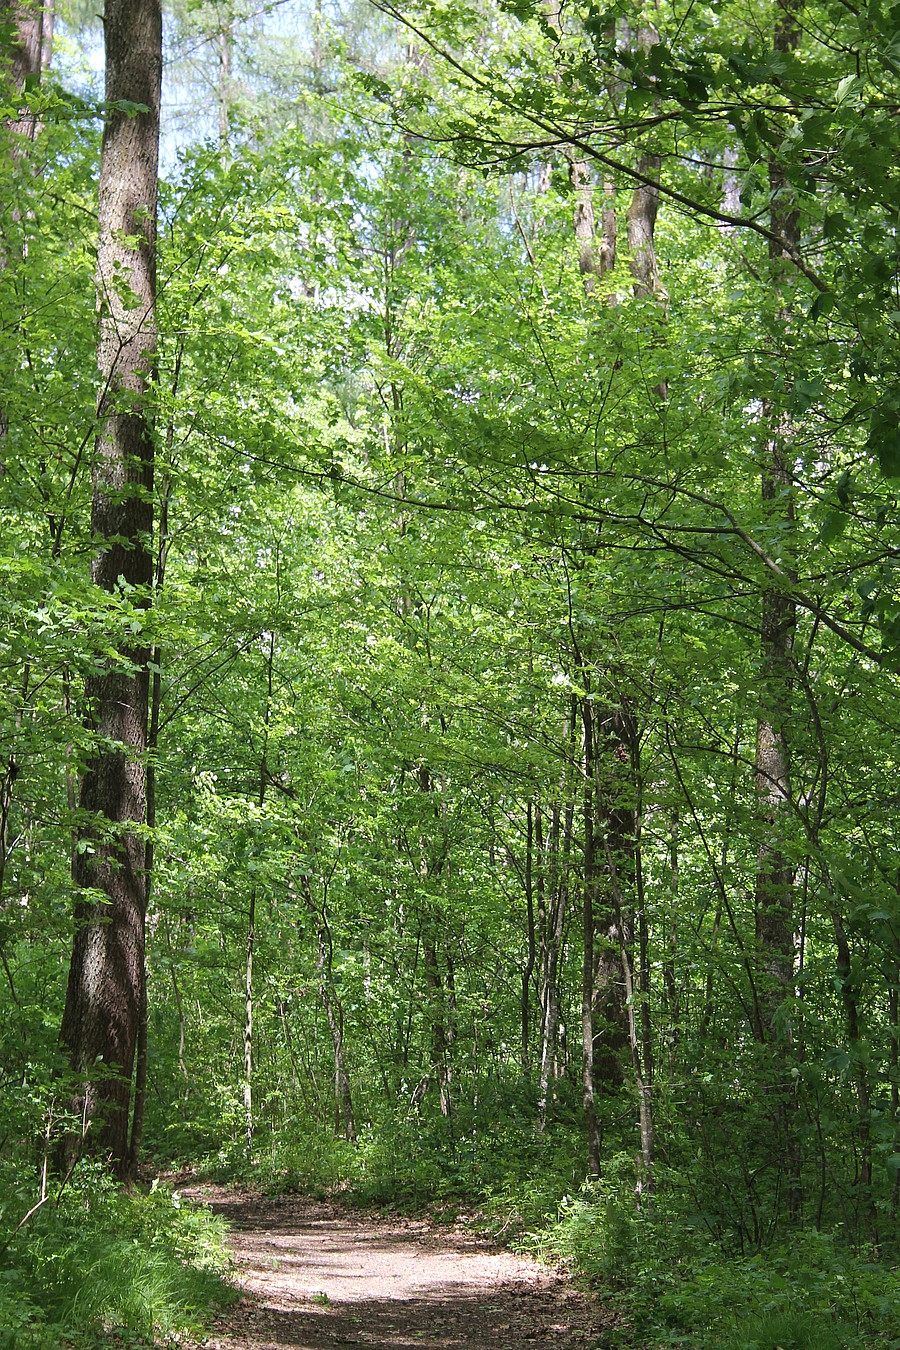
(315, 1274)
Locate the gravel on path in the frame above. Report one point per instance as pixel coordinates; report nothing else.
(314, 1275)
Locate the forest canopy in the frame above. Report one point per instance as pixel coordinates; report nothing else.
(450, 620)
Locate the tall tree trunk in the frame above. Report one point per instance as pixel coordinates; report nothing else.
(558, 860)
(646, 1182)
(610, 1013)
(669, 983)
(528, 969)
(641, 222)
(140, 1079)
(106, 978)
(641, 214)
(587, 970)
(333, 1011)
(774, 877)
(251, 916)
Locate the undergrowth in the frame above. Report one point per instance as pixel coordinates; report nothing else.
(676, 1276)
(678, 1285)
(673, 1279)
(105, 1261)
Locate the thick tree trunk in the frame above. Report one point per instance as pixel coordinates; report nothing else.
(140, 1079)
(641, 222)
(583, 221)
(106, 978)
(32, 45)
(641, 214)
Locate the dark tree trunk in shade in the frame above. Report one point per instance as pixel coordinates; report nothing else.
(774, 877)
(334, 1013)
(528, 969)
(105, 992)
(587, 970)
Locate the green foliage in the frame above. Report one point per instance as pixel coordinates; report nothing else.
(423, 498)
(677, 1286)
(98, 1259)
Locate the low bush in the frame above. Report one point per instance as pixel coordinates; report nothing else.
(678, 1285)
(100, 1259)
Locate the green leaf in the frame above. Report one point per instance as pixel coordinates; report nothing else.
(823, 304)
(834, 526)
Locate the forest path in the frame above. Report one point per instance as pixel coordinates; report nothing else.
(315, 1275)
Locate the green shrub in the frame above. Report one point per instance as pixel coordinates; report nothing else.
(104, 1258)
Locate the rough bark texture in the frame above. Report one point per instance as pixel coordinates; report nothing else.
(33, 25)
(583, 221)
(641, 222)
(106, 977)
(641, 214)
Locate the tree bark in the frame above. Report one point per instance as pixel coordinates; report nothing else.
(646, 1183)
(774, 876)
(333, 1012)
(106, 978)
(641, 214)
(559, 854)
(528, 969)
(587, 969)
(610, 1013)
(140, 1080)
(32, 45)
(670, 986)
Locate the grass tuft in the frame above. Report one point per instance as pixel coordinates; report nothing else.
(141, 1264)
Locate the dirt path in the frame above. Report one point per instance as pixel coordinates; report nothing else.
(315, 1276)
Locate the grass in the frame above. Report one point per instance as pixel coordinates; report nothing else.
(140, 1265)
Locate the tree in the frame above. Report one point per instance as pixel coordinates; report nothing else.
(105, 991)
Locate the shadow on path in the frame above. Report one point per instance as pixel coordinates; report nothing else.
(314, 1275)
